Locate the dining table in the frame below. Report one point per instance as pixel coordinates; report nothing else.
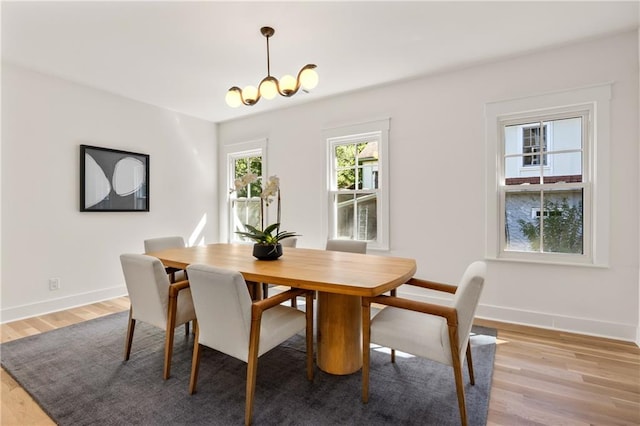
(340, 279)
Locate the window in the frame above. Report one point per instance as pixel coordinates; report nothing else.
(548, 199)
(557, 190)
(532, 144)
(244, 205)
(358, 183)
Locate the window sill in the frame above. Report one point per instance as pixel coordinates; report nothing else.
(547, 261)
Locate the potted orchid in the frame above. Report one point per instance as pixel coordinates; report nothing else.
(267, 239)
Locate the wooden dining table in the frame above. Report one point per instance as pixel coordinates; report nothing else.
(340, 279)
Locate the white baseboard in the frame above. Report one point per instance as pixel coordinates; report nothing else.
(62, 303)
(625, 332)
(586, 326)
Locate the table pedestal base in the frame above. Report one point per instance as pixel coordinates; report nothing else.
(339, 345)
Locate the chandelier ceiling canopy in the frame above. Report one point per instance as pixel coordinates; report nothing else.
(269, 87)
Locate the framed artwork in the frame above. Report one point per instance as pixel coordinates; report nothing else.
(113, 180)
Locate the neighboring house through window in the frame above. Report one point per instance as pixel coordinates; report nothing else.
(358, 183)
(548, 199)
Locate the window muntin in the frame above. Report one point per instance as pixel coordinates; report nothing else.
(552, 184)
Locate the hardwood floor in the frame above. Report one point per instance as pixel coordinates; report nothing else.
(544, 377)
(541, 377)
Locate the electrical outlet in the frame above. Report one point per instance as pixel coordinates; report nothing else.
(54, 284)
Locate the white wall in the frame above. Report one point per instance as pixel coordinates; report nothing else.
(44, 120)
(437, 145)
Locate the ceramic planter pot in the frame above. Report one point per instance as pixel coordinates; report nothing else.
(267, 251)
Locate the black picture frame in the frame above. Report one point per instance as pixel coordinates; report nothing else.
(113, 181)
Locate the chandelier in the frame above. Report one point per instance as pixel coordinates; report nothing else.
(269, 87)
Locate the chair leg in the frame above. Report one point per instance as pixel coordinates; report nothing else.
(457, 372)
(186, 328)
(265, 290)
(168, 353)
(195, 366)
(129, 339)
(366, 349)
(168, 341)
(393, 293)
(252, 369)
(470, 364)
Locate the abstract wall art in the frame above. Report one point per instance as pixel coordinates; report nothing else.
(113, 180)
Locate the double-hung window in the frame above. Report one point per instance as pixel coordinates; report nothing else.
(244, 204)
(548, 198)
(546, 183)
(358, 183)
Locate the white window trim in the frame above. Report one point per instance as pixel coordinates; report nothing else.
(231, 152)
(354, 131)
(594, 98)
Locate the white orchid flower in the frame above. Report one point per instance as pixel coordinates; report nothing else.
(249, 178)
(242, 182)
(271, 189)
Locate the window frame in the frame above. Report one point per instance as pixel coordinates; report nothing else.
(354, 134)
(257, 148)
(590, 102)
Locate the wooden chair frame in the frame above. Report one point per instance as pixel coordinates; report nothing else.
(449, 313)
(257, 309)
(174, 290)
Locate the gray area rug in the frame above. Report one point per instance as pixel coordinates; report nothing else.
(77, 375)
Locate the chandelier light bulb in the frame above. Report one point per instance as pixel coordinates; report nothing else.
(250, 94)
(233, 97)
(269, 87)
(287, 85)
(308, 78)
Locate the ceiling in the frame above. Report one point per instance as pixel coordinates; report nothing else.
(184, 56)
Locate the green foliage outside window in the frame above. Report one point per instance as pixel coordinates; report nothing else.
(244, 166)
(348, 158)
(562, 228)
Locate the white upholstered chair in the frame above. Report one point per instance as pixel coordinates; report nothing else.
(289, 242)
(230, 322)
(162, 243)
(436, 332)
(156, 301)
(351, 246)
